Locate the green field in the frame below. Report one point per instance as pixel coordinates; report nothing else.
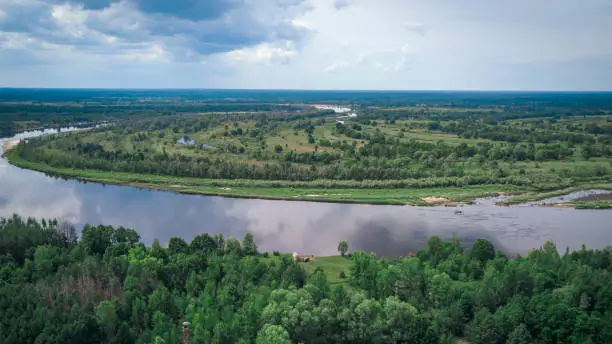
(331, 265)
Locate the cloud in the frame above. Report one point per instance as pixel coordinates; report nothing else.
(187, 9)
(153, 53)
(332, 68)
(265, 54)
(348, 62)
(341, 4)
(453, 45)
(185, 30)
(301, 24)
(385, 60)
(415, 27)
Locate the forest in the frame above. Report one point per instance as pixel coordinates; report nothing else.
(106, 286)
(321, 149)
(382, 147)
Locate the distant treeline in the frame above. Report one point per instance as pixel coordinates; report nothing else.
(16, 117)
(20, 107)
(472, 99)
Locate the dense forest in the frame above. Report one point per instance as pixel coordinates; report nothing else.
(107, 287)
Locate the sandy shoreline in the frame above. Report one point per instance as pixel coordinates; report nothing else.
(7, 145)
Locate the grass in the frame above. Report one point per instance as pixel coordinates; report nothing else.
(331, 265)
(593, 205)
(594, 202)
(232, 188)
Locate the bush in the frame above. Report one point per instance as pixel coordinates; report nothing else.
(265, 255)
(276, 253)
(342, 275)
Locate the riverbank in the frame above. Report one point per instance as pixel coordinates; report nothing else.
(10, 144)
(595, 202)
(580, 203)
(448, 196)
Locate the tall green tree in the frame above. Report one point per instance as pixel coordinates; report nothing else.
(248, 245)
(342, 247)
(273, 334)
(106, 315)
(520, 335)
(482, 250)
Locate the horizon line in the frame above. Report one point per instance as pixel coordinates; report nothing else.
(311, 90)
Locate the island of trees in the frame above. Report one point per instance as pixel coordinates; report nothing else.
(108, 287)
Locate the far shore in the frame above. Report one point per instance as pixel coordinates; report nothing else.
(447, 196)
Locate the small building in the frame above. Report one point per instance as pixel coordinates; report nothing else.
(303, 257)
(340, 122)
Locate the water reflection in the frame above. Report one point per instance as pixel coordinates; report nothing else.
(297, 226)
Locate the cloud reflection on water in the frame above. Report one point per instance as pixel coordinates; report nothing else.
(296, 226)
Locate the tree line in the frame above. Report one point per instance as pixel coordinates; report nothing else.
(108, 287)
(379, 155)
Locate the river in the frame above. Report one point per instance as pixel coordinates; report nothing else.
(306, 227)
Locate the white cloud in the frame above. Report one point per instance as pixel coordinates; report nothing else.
(386, 60)
(350, 61)
(333, 67)
(70, 19)
(265, 53)
(301, 24)
(15, 40)
(404, 43)
(152, 53)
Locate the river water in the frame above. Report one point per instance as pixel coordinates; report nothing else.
(290, 226)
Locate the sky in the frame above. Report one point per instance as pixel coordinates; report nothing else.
(307, 44)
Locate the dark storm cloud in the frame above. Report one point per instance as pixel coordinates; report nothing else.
(189, 9)
(25, 17)
(92, 4)
(183, 27)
